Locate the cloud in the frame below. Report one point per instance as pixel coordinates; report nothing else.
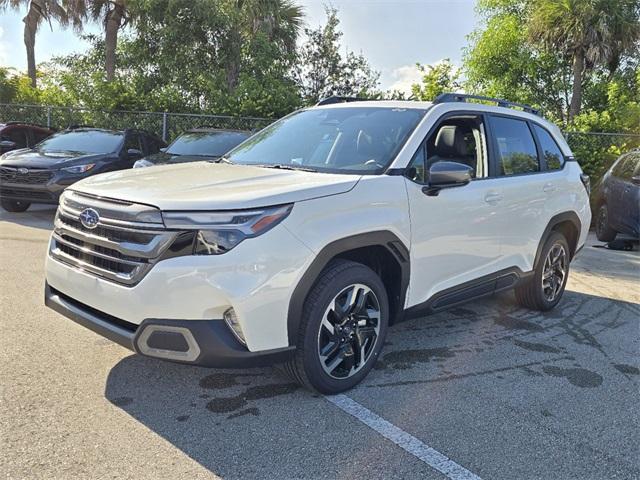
(405, 76)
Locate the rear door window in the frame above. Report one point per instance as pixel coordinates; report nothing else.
(550, 151)
(515, 148)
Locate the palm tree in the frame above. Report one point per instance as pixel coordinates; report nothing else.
(114, 15)
(65, 12)
(280, 20)
(590, 32)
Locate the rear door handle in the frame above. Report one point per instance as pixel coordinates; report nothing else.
(549, 187)
(493, 197)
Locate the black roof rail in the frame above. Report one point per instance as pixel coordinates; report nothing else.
(337, 99)
(463, 97)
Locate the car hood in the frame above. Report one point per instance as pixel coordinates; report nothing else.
(214, 186)
(30, 158)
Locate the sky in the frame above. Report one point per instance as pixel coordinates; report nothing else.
(392, 34)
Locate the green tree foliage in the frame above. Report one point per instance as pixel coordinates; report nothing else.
(65, 12)
(323, 71)
(590, 33)
(436, 79)
(526, 50)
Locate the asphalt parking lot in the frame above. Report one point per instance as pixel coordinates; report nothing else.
(503, 392)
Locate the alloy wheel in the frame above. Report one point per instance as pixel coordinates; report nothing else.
(349, 331)
(554, 272)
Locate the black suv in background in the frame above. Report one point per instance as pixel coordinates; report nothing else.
(15, 135)
(196, 145)
(41, 173)
(617, 199)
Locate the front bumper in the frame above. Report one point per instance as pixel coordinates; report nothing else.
(207, 343)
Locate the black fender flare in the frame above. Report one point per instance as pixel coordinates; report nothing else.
(555, 221)
(383, 238)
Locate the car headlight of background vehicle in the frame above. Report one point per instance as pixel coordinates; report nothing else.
(143, 163)
(219, 232)
(79, 168)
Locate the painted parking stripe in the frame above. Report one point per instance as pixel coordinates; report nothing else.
(404, 440)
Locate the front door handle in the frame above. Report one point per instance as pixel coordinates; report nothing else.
(549, 187)
(493, 197)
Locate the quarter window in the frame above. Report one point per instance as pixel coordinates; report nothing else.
(516, 149)
(550, 150)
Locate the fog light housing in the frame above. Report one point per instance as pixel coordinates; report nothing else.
(231, 319)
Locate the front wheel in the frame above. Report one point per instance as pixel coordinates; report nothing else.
(544, 289)
(343, 327)
(14, 206)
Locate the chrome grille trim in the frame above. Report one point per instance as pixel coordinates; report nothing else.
(116, 250)
(114, 211)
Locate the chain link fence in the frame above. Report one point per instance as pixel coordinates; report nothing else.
(163, 124)
(595, 151)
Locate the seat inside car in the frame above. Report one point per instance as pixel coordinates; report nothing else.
(454, 143)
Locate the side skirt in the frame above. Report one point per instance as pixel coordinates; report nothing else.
(481, 287)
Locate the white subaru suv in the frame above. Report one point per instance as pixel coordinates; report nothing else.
(304, 243)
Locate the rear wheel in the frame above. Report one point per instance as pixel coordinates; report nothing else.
(343, 328)
(544, 289)
(14, 205)
(604, 232)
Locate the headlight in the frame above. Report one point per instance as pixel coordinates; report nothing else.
(219, 232)
(143, 163)
(79, 168)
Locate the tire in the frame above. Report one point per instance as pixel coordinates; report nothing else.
(14, 206)
(534, 294)
(604, 232)
(339, 282)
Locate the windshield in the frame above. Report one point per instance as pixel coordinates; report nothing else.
(210, 144)
(362, 140)
(91, 141)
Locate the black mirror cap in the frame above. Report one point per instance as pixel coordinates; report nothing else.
(635, 179)
(449, 174)
(8, 145)
(134, 152)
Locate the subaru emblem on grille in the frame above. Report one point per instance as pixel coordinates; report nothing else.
(89, 218)
(23, 170)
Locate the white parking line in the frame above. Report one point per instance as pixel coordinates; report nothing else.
(404, 440)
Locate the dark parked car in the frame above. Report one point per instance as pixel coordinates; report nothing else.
(196, 145)
(617, 199)
(41, 173)
(15, 135)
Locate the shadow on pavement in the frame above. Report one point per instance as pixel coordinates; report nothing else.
(38, 216)
(256, 423)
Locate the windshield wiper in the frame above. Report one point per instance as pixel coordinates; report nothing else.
(222, 159)
(284, 167)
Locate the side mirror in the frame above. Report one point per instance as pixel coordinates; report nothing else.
(635, 179)
(447, 175)
(7, 145)
(164, 149)
(134, 153)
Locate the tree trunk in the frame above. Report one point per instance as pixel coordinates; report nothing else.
(234, 53)
(31, 21)
(576, 95)
(112, 25)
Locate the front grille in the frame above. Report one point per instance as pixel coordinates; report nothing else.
(31, 176)
(120, 248)
(25, 193)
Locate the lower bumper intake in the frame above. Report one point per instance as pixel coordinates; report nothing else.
(207, 343)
